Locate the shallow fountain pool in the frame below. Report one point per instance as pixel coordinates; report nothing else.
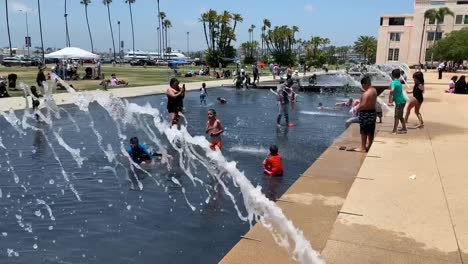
(42, 219)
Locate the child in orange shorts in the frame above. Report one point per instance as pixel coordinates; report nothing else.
(214, 128)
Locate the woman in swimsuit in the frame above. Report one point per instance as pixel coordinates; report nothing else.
(418, 98)
(175, 97)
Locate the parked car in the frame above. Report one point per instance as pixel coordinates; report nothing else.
(17, 61)
(142, 62)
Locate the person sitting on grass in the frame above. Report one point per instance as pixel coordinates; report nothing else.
(452, 83)
(3, 88)
(114, 82)
(273, 165)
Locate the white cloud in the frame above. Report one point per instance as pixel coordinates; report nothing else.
(17, 6)
(309, 8)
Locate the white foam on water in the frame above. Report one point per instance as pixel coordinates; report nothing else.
(12, 253)
(260, 151)
(74, 152)
(49, 210)
(322, 113)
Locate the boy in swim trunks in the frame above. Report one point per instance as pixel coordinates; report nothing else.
(397, 96)
(214, 128)
(367, 115)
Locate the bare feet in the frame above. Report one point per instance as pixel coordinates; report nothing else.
(357, 150)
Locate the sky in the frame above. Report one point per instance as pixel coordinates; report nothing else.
(342, 21)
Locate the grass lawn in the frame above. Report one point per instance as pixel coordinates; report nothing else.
(136, 76)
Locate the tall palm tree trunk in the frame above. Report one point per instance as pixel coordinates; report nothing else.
(8, 27)
(133, 31)
(67, 35)
(160, 31)
(40, 28)
(422, 41)
(112, 31)
(89, 29)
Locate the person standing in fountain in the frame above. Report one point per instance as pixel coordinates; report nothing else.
(35, 101)
(40, 78)
(418, 98)
(397, 96)
(367, 115)
(215, 129)
(203, 94)
(284, 100)
(175, 97)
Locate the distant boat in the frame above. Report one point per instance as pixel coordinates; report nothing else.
(148, 55)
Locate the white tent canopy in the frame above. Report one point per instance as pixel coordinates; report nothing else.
(71, 53)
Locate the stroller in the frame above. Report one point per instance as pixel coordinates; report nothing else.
(88, 74)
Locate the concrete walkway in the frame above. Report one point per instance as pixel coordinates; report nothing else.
(387, 217)
(401, 220)
(17, 103)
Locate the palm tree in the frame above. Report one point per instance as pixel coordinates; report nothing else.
(86, 3)
(67, 35)
(159, 29)
(8, 27)
(266, 25)
(251, 30)
(130, 2)
(162, 16)
(166, 24)
(366, 46)
(439, 16)
(40, 29)
(204, 19)
(237, 18)
(107, 3)
(431, 15)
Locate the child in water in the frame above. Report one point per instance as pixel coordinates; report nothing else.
(203, 94)
(273, 166)
(35, 101)
(214, 128)
(221, 100)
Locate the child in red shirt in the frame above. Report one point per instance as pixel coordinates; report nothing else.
(273, 166)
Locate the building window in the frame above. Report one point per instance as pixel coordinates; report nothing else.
(432, 36)
(396, 21)
(462, 2)
(393, 54)
(459, 20)
(395, 36)
(381, 21)
(437, 3)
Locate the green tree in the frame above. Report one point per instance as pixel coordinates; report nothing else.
(130, 2)
(219, 33)
(86, 3)
(315, 54)
(166, 25)
(453, 47)
(280, 43)
(366, 46)
(107, 4)
(266, 25)
(250, 52)
(8, 27)
(436, 15)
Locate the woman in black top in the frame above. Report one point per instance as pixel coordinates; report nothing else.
(175, 100)
(460, 86)
(418, 98)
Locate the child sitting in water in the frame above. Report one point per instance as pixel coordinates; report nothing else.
(273, 166)
(221, 100)
(214, 129)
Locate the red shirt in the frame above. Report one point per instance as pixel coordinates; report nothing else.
(273, 166)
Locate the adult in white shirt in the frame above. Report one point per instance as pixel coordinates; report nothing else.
(441, 69)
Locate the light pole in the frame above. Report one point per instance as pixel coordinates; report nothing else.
(120, 44)
(27, 32)
(188, 43)
(159, 44)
